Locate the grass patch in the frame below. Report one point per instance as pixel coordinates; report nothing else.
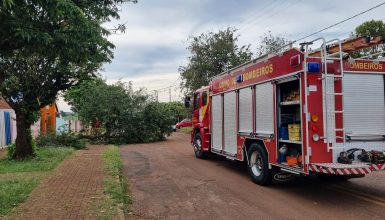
(47, 159)
(114, 185)
(186, 130)
(14, 191)
(19, 178)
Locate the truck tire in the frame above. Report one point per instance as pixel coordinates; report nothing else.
(198, 147)
(258, 165)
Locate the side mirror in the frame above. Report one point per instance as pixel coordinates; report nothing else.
(187, 101)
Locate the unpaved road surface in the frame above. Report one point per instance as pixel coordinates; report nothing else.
(168, 182)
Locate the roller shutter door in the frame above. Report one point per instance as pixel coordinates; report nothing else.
(264, 108)
(216, 110)
(230, 123)
(245, 110)
(364, 105)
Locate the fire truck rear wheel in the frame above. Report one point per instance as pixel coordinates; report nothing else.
(199, 153)
(258, 165)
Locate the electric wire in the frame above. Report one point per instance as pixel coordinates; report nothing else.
(254, 15)
(267, 14)
(269, 21)
(338, 23)
(175, 85)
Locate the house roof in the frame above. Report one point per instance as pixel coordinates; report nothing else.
(4, 104)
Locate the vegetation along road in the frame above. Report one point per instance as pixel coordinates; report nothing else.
(167, 181)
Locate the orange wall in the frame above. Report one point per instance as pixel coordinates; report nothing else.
(48, 118)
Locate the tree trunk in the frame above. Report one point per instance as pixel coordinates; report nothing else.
(23, 139)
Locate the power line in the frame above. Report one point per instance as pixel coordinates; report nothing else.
(166, 88)
(344, 33)
(268, 21)
(255, 14)
(319, 31)
(338, 23)
(257, 18)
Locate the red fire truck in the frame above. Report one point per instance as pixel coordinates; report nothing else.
(297, 112)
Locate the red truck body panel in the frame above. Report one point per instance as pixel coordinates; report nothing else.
(281, 73)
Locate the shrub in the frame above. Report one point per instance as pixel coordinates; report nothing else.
(64, 139)
(11, 150)
(48, 139)
(124, 115)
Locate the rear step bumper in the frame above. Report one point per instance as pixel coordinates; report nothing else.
(345, 169)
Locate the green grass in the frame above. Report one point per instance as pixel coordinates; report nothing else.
(186, 130)
(47, 159)
(114, 184)
(14, 191)
(19, 178)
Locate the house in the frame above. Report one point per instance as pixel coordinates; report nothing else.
(52, 120)
(47, 120)
(7, 124)
(72, 122)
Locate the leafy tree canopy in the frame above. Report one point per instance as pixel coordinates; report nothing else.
(270, 43)
(47, 46)
(214, 53)
(371, 28)
(179, 111)
(125, 115)
(211, 54)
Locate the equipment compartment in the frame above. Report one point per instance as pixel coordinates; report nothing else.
(289, 147)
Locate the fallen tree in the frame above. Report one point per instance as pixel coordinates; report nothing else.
(118, 114)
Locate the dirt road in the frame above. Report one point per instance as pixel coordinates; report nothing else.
(168, 182)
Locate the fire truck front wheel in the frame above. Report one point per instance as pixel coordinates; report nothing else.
(258, 165)
(199, 153)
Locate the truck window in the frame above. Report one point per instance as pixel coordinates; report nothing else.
(204, 98)
(196, 101)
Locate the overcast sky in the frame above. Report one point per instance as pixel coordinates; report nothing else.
(154, 44)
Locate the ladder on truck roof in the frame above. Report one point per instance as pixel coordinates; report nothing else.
(348, 45)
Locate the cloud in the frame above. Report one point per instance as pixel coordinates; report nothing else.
(154, 44)
(162, 83)
(155, 41)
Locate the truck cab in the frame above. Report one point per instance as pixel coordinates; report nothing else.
(200, 135)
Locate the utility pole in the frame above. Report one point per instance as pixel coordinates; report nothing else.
(156, 95)
(169, 91)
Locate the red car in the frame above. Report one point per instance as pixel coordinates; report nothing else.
(184, 123)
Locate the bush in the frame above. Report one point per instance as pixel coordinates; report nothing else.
(63, 139)
(124, 115)
(158, 119)
(11, 150)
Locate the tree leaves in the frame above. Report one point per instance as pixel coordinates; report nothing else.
(47, 46)
(371, 28)
(50, 45)
(270, 43)
(211, 54)
(127, 116)
(214, 53)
